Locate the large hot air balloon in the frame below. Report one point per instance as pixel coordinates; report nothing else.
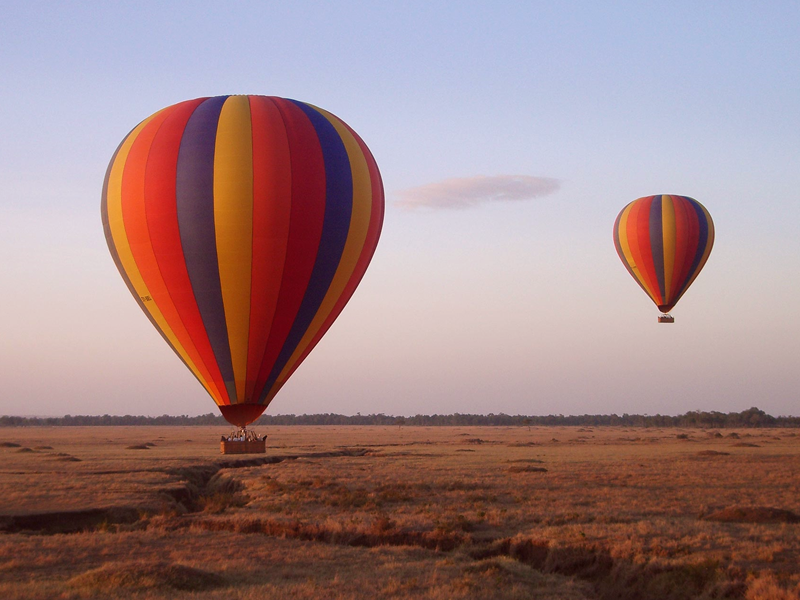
(242, 225)
(664, 241)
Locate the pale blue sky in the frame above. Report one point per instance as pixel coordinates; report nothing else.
(506, 306)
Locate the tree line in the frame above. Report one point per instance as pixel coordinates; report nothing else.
(752, 417)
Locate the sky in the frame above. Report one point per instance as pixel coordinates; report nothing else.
(509, 135)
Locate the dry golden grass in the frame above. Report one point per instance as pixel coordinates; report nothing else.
(388, 512)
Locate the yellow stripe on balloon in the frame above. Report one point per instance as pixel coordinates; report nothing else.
(233, 221)
(356, 237)
(711, 234)
(120, 238)
(669, 238)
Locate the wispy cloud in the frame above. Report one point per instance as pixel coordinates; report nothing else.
(467, 192)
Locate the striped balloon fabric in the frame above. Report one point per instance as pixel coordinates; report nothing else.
(242, 226)
(664, 241)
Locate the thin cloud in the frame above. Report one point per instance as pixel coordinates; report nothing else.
(468, 192)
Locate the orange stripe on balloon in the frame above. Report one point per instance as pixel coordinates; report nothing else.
(118, 240)
(638, 231)
(624, 248)
(135, 221)
(162, 223)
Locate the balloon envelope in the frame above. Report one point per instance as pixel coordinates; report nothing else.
(242, 226)
(664, 241)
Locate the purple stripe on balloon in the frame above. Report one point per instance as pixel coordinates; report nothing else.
(657, 242)
(335, 229)
(195, 203)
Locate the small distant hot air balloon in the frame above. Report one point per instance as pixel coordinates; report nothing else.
(242, 226)
(664, 241)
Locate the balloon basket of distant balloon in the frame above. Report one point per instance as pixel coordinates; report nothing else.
(243, 441)
(666, 319)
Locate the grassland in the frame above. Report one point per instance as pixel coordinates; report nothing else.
(401, 512)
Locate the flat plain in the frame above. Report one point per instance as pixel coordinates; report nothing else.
(401, 512)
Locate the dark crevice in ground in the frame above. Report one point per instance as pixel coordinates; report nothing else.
(382, 533)
(71, 521)
(619, 579)
(197, 488)
(204, 481)
(611, 578)
(203, 492)
(241, 463)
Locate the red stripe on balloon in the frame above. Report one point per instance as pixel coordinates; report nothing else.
(639, 242)
(271, 184)
(305, 229)
(134, 217)
(646, 247)
(691, 230)
(679, 263)
(693, 242)
(367, 252)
